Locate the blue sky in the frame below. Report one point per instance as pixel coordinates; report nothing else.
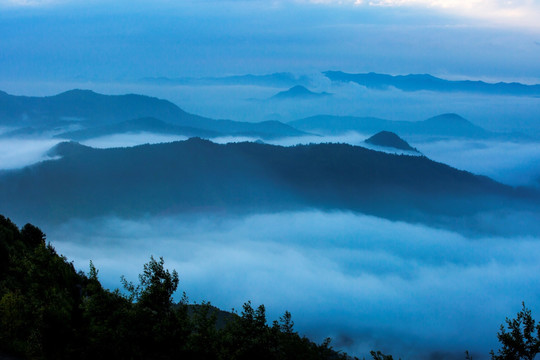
(96, 40)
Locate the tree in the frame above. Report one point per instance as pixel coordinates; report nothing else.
(377, 355)
(520, 339)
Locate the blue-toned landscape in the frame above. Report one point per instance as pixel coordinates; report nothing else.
(369, 171)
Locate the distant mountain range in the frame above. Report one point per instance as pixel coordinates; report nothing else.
(410, 82)
(281, 79)
(299, 92)
(200, 176)
(418, 82)
(82, 114)
(444, 126)
(88, 110)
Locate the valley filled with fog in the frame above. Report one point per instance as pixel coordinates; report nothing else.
(415, 289)
(366, 282)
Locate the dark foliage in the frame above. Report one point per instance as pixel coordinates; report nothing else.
(520, 340)
(50, 311)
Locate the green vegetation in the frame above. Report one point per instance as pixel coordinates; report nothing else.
(48, 310)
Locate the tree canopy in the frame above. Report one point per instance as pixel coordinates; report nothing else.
(48, 310)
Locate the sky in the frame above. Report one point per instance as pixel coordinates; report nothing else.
(98, 40)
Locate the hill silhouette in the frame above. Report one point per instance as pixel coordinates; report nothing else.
(298, 92)
(197, 176)
(444, 125)
(390, 140)
(88, 109)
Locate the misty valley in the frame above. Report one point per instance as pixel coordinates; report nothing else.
(415, 238)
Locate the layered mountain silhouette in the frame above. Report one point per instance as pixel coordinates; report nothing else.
(389, 139)
(445, 125)
(417, 82)
(298, 92)
(88, 109)
(200, 176)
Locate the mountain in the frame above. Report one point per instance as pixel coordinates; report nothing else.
(418, 82)
(87, 106)
(198, 176)
(270, 80)
(88, 109)
(390, 140)
(149, 125)
(445, 125)
(298, 92)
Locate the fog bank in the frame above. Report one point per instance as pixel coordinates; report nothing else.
(405, 289)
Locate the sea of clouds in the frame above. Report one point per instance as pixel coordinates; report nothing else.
(410, 290)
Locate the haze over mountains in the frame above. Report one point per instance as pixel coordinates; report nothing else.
(89, 109)
(275, 80)
(372, 80)
(82, 114)
(326, 201)
(419, 256)
(441, 126)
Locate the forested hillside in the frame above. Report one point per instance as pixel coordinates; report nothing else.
(48, 310)
(200, 176)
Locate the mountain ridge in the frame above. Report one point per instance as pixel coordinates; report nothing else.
(418, 82)
(90, 109)
(196, 175)
(443, 125)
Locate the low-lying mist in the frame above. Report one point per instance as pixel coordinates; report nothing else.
(131, 139)
(512, 163)
(410, 290)
(16, 153)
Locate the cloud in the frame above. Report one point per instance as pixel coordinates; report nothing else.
(369, 283)
(522, 13)
(512, 163)
(131, 139)
(30, 3)
(17, 153)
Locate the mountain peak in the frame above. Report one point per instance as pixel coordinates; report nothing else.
(449, 117)
(298, 91)
(67, 148)
(77, 93)
(389, 139)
